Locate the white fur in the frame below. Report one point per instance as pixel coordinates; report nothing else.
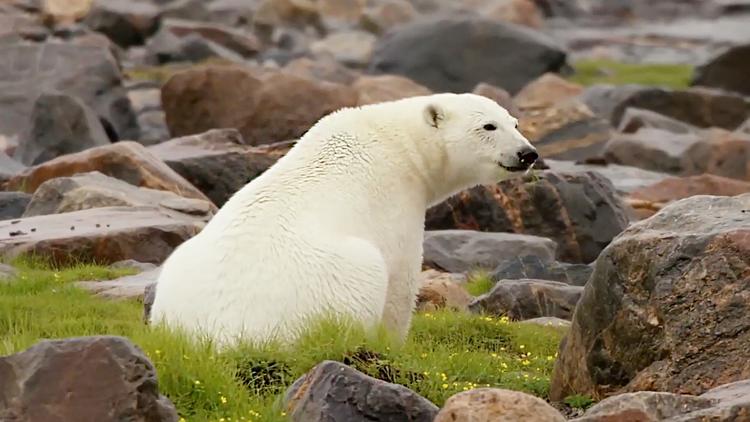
(337, 224)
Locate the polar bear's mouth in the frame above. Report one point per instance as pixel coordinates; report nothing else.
(513, 169)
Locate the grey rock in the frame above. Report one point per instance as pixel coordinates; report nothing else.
(644, 405)
(634, 119)
(727, 70)
(9, 167)
(124, 387)
(625, 179)
(652, 149)
(166, 47)
(60, 124)
(133, 264)
(334, 392)
(89, 72)
(128, 287)
(149, 296)
(634, 328)
(527, 299)
(13, 204)
(464, 250)
(95, 190)
(7, 273)
(603, 99)
(548, 322)
(535, 267)
(435, 44)
(126, 23)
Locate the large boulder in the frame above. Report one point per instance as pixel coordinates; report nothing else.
(699, 107)
(528, 299)
(266, 107)
(455, 54)
(101, 235)
(728, 70)
(334, 392)
(60, 124)
(493, 404)
(537, 267)
(96, 379)
(88, 71)
(217, 162)
(464, 250)
(580, 211)
(666, 308)
(624, 178)
(126, 23)
(95, 190)
(13, 204)
(127, 161)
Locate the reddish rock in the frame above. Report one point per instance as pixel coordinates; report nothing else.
(520, 12)
(580, 211)
(499, 95)
(101, 235)
(377, 89)
(384, 15)
(547, 90)
(266, 107)
(667, 306)
(95, 379)
(128, 161)
(441, 291)
(494, 404)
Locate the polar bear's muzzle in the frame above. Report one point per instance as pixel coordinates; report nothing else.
(525, 158)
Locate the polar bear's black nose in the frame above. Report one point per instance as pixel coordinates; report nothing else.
(527, 157)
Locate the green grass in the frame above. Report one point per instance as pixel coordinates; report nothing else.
(590, 72)
(446, 352)
(479, 283)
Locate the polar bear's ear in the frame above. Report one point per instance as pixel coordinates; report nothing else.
(434, 114)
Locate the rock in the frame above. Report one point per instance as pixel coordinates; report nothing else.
(7, 273)
(713, 151)
(86, 71)
(644, 406)
(265, 108)
(494, 404)
(536, 267)
(65, 11)
(635, 119)
(127, 161)
(482, 45)
(548, 89)
(520, 12)
(653, 198)
(727, 70)
(239, 42)
(603, 99)
(526, 299)
(13, 204)
(126, 23)
(499, 95)
(94, 190)
(60, 124)
(9, 167)
(625, 179)
(101, 235)
(352, 48)
(580, 211)
(125, 386)
(461, 251)
(128, 287)
(440, 292)
(665, 308)
(217, 162)
(383, 15)
(337, 393)
(377, 89)
(149, 295)
(548, 322)
(133, 264)
(165, 47)
(321, 69)
(699, 107)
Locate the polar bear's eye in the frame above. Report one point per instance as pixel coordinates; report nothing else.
(490, 126)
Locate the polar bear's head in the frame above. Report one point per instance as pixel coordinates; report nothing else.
(480, 139)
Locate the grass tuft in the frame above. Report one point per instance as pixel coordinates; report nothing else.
(479, 283)
(446, 353)
(590, 72)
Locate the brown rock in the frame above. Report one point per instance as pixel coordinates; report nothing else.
(243, 43)
(265, 107)
(634, 119)
(439, 291)
(376, 89)
(653, 198)
(65, 11)
(352, 48)
(646, 406)
(321, 69)
(485, 404)
(127, 161)
(499, 95)
(96, 379)
(101, 235)
(218, 162)
(384, 15)
(580, 211)
(666, 308)
(94, 190)
(549, 89)
(520, 12)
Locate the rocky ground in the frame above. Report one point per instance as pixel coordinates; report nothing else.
(125, 125)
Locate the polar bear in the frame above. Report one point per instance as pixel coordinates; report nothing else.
(337, 224)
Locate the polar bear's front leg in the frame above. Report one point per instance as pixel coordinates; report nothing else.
(400, 303)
